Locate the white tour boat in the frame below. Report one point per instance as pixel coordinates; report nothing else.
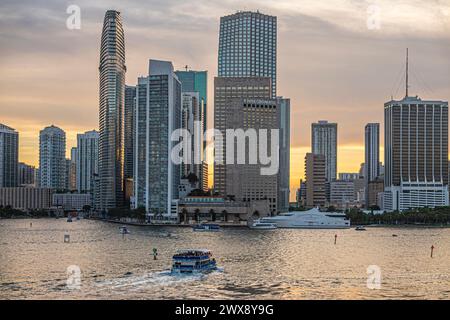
(257, 224)
(310, 219)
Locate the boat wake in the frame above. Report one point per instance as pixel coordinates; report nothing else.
(154, 279)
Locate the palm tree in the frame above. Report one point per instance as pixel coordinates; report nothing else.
(213, 214)
(185, 213)
(197, 214)
(225, 215)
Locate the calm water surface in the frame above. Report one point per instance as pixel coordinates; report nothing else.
(279, 264)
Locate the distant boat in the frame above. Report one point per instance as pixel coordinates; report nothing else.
(206, 227)
(310, 219)
(123, 230)
(360, 228)
(257, 224)
(193, 261)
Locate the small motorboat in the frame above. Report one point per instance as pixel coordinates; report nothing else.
(206, 227)
(124, 230)
(257, 224)
(193, 261)
(360, 228)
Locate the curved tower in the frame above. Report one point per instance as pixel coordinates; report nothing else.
(111, 112)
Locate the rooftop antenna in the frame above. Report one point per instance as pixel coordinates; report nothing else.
(407, 72)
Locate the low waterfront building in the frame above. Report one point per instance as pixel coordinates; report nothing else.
(193, 208)
(72, 201)
(374, 188)
(25, 198)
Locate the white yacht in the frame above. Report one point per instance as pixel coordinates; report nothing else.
(311, 219)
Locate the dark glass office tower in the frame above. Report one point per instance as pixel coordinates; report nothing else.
(248, 46)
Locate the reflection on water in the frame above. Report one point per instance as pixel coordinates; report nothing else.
(279, 264)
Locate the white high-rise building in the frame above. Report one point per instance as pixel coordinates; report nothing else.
(87, 160)
(324, 141)
(52, 158)
(158, 114)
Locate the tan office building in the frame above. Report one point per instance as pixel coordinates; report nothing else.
(315, 169)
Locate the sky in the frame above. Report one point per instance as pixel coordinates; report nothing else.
(338, 60)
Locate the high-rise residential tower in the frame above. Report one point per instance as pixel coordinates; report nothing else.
(324, 141)
(248, 46)
(9, 156)
(87, 160)
(158, 115)
(284, 117)
(130, 97)
(372, 157)
(112, 91)
(52, 158)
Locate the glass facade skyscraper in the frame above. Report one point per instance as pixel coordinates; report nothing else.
(111, 108)
(196, 81)
(248, 46)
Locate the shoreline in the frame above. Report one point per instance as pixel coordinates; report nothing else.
(227, 225)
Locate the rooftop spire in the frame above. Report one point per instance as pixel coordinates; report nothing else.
(407, 72)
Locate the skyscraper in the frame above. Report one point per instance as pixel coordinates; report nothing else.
(112, 91)
(192, 121)
(52, 158)
(158, 114)
(87, 160)
(284, 110)
(72, 170)
(228, 91)
(9, 156)
(416, 153)
(324, 141)
(196, 81)
(372, 156)
(130, 96)
(248, 46)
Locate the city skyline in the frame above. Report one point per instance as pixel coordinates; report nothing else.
(309, 101)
